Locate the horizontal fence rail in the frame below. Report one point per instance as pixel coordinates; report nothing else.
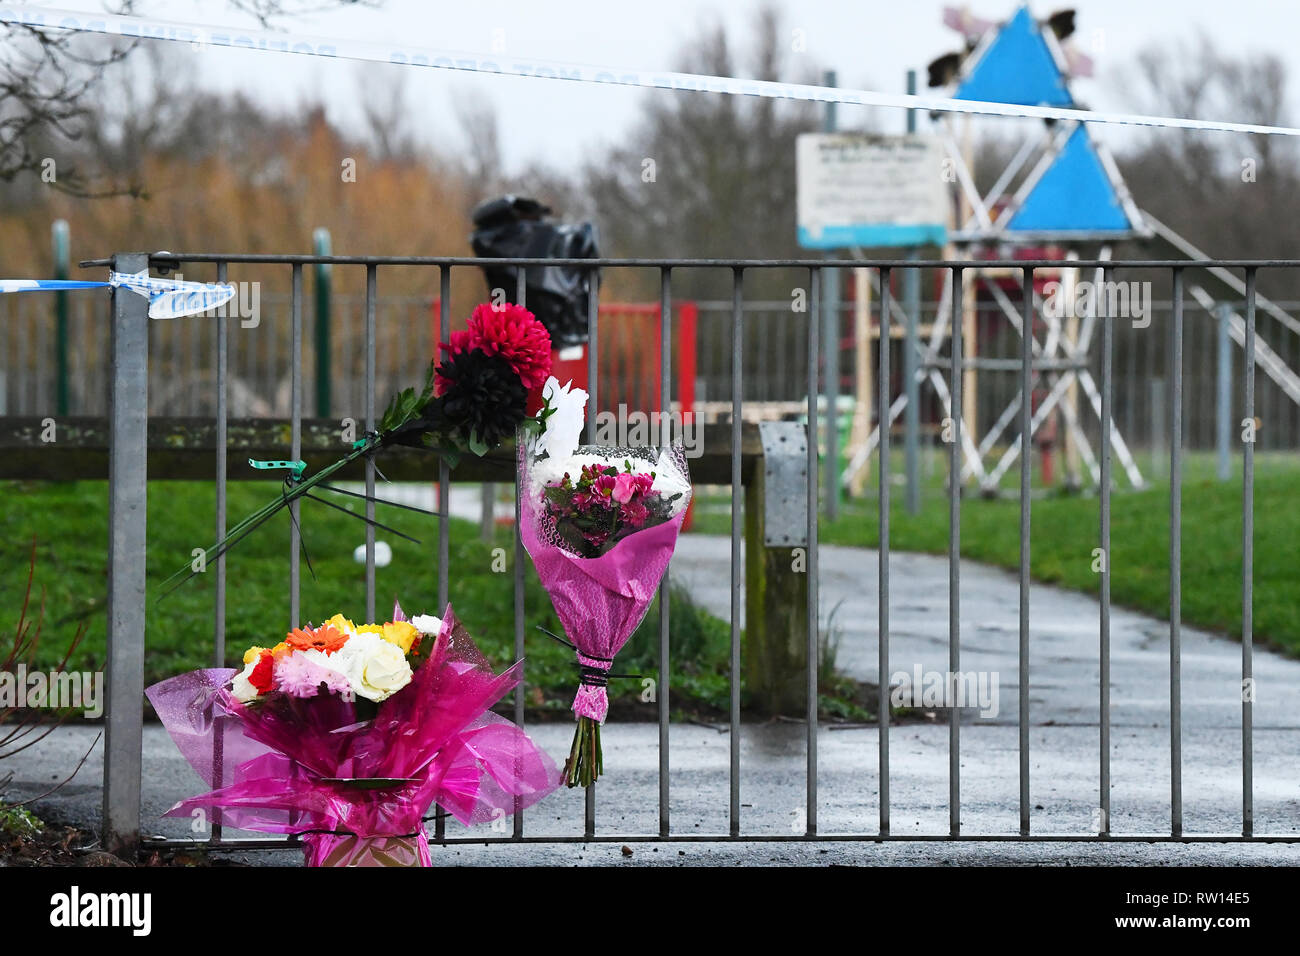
(38, 375)
(127, 490)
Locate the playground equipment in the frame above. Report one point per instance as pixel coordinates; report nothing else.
(1061, 190)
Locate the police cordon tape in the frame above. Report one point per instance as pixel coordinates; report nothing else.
(207, 35)
(168, 298)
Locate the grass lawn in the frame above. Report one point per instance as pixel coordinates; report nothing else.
(1064, 531)
(70, 523)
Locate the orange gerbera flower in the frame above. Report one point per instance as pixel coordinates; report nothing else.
(323, 638)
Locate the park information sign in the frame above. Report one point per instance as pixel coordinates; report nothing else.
(864, 190)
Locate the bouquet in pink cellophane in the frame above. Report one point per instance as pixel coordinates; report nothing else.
(347, 734)
(600, 523)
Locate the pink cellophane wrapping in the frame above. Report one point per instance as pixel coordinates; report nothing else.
(267, 771)
(600, 601)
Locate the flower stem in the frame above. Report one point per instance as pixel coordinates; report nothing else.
(586, 762)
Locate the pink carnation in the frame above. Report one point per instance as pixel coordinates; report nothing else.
(299, 676)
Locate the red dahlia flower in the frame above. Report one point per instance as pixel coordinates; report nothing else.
(513, 333)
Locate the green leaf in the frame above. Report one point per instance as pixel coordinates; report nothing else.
(427, 394)
(400, 410)
(477, 445)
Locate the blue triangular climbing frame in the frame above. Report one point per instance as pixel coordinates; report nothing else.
(1075, 194)
(1017, 67)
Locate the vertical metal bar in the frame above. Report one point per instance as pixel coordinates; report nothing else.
(1107, 350)
(1026, 446)
(1247, 576)
(665, 438)
(737, 371)
(1175, 563)
(954, 559)
(372, 301)
(882, 403)
(444, 494)
(444, 473)
(219, 571)
(590, 822)
(127, 503)
(813, 636)
(295, 440)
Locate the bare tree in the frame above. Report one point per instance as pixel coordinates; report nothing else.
(387, 112)
(46, 80)
(268, 11)
(477, 117)
(1230, 194)
(49, 79)
(707, 174)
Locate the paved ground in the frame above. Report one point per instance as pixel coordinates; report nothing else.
(1063, 742)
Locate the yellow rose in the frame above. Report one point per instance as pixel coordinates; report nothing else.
(401, 633)
(371, 629)
(341, 624)
(253, 653)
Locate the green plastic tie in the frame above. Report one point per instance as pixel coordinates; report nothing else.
(297, 467)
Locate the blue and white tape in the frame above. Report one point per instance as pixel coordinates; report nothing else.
(206, 35)
(168, 298)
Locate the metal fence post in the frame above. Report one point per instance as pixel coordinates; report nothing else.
(127, 499)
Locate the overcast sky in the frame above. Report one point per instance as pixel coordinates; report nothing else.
(871, 43)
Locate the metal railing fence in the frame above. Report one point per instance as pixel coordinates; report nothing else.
(129, 412)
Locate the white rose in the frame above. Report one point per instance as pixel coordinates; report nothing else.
(384, 672)
(375, 668)
(563, 428)
(427, 624)
(243, 689)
